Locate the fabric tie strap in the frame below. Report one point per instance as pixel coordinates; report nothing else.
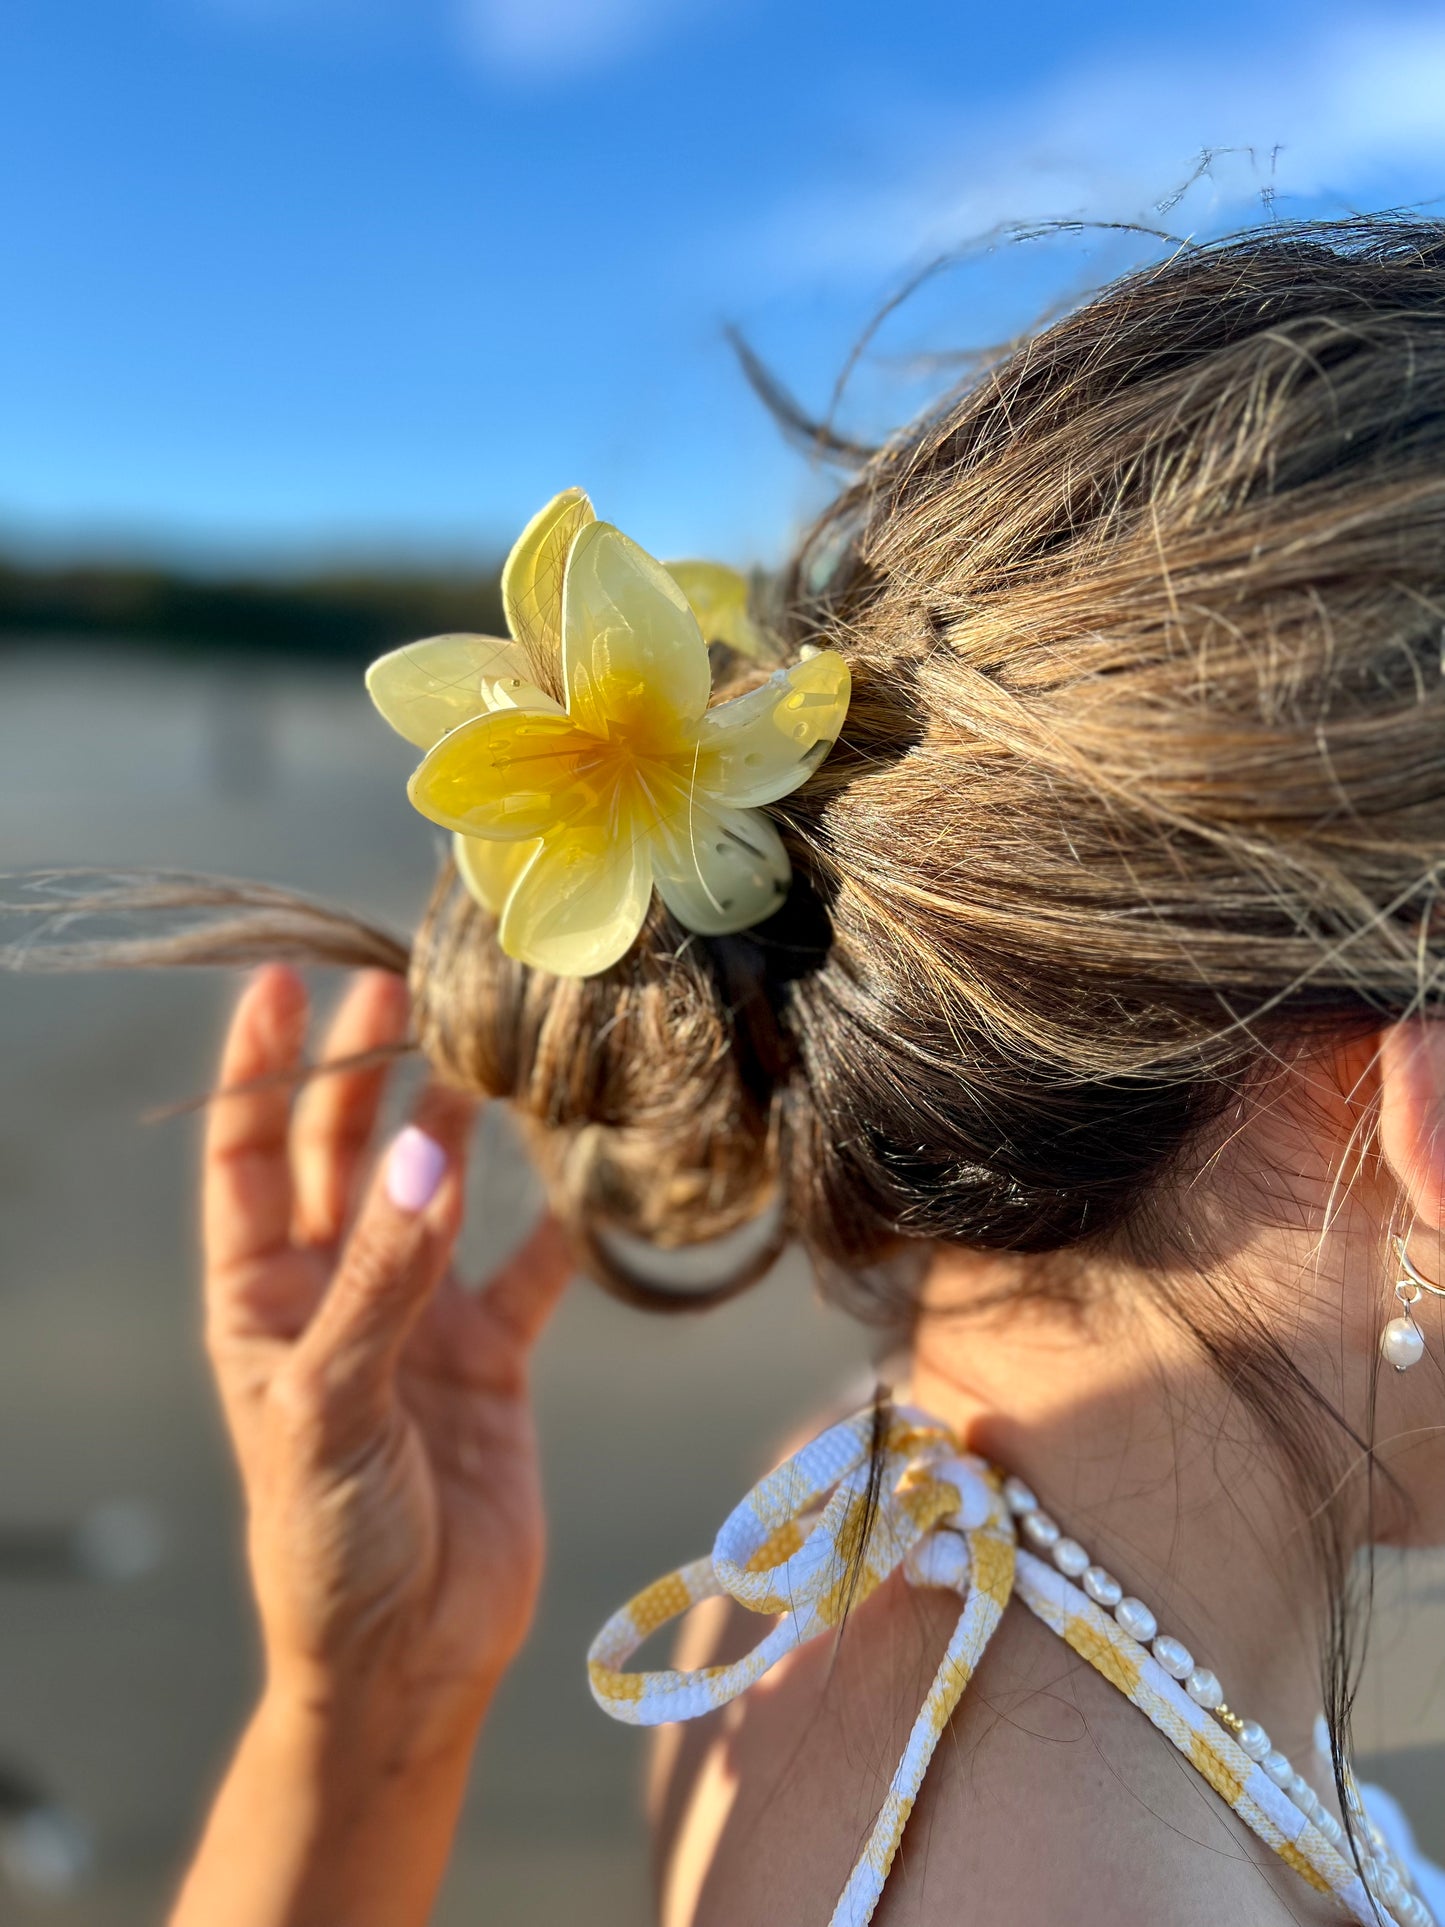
(891, 1490)
(811, 1541)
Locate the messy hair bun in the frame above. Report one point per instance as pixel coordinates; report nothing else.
(648, 1094)
(1143, 778)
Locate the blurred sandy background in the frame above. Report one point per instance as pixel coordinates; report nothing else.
(119, 1699)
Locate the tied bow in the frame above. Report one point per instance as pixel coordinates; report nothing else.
(879, 1493)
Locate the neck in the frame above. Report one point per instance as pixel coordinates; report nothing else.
(1132, 1440)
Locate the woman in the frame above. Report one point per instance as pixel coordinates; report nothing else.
(1097, 1038)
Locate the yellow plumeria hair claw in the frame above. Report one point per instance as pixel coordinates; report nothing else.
(579, 762)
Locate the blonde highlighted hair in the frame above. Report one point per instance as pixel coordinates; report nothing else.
(1143, 782)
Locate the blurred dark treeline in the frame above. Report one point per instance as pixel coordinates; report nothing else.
(344, 615)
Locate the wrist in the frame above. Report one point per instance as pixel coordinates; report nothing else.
(346, 1734)
(329, 1812)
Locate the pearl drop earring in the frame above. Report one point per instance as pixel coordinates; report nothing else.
(1401, 1343)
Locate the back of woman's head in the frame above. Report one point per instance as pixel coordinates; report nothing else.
(1142, 787)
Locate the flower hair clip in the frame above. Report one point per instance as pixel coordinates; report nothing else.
(565, 813)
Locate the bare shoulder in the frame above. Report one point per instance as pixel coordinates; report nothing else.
(1049, 1799)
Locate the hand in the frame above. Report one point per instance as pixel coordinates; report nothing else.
(378, 1410)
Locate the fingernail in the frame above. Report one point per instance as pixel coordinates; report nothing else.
(415, 1166)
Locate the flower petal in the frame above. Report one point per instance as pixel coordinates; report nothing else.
(632, 652)
(515, 692)
(718, 597)
(427, 688)
(756, 748)
(722, 870)
(532, 573)
(580, 902)
(489, 868)
(513, 774)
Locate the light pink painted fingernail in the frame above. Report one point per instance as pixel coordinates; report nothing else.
(415, 1166)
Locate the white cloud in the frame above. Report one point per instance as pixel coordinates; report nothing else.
(551, 39)
(1355, 112)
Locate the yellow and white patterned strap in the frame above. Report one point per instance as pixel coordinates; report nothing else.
(905, 1499)
(891, 1490)
(774, 1557)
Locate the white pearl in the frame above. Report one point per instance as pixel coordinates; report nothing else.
(1018, 1498)
(1204, 1689)
(1137, 1620)
(1330, 1827)
(1277, 1766)
(1254, 1740)
(1102, 1587)
(1040, 1530)
(1174, 1657)
(1401, 1344)
(1070, 1558)
(1300, 1791)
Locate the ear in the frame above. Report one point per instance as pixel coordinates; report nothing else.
(1412, 1114)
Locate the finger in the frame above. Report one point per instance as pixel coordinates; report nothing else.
(521, 1296)
(246, 1178)
(394, 1259)
(336, 1113)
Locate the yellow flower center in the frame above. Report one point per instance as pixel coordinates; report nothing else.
(633, 772)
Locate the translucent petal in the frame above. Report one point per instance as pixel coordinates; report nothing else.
(632, 652)
(721, 870)
(580, 902)
(514, 774)
(515, 692)
(718, 597)
(427, 688)
(758, 747)
(489, 868)
(532, 573)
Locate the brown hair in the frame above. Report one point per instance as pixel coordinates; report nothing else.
(1143, 784)
(1143, 777)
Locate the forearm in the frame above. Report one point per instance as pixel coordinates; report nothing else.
(317, 1825)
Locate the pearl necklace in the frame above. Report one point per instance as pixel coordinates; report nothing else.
(1386, 1879)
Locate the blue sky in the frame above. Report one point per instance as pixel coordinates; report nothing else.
(293, 278)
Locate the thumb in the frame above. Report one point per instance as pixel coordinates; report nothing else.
(394, 1259)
